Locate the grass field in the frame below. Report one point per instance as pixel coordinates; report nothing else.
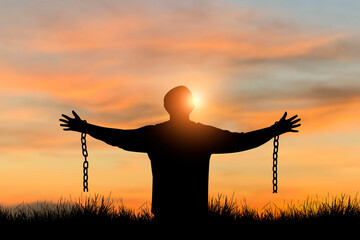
(101, 211)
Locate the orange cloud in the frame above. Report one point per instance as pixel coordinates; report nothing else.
(177, 35)
(92, 61)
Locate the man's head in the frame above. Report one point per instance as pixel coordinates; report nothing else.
(179, 102)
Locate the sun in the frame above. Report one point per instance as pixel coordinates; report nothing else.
(197, 100)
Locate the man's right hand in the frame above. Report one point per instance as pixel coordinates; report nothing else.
(287, 125)
(72, 124)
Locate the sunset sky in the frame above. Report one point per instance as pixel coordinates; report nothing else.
(113, 61)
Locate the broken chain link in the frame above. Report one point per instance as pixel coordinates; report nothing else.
(86, 163)
(275, 162)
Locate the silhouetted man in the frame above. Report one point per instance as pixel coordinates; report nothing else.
(179, 151)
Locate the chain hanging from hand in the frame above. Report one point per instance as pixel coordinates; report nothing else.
(86, 163)
(275, 161)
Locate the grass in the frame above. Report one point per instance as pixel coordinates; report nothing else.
(342, 209)
(89, 210)
(103, 211)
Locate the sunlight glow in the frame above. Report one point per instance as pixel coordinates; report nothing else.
(198, 101)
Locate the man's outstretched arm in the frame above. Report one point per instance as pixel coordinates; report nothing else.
(236, 142)
(259, 137)
(131, 140)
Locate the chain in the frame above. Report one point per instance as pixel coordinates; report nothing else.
(275, 162)
(86, 163)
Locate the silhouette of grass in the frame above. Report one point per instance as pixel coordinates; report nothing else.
(342, 209)
(101, 211)
(90, 210)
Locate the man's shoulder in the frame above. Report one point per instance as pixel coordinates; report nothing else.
(208, 127)
(192, 124)
(197, 126)
(160, 125)
(215, 130)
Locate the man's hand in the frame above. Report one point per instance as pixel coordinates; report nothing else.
(72, 124)
(287, 125)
